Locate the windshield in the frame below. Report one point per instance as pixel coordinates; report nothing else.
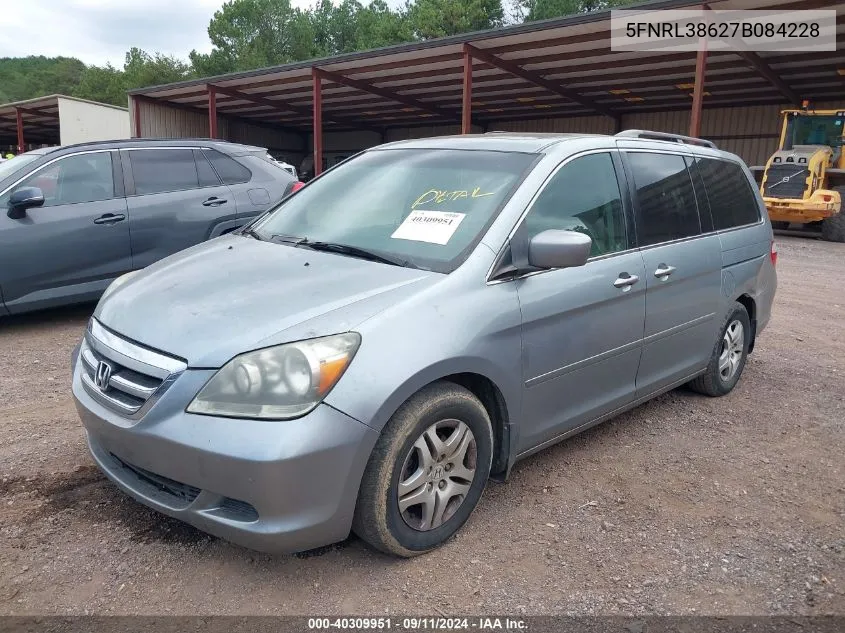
(815, 130)
(9, 167)
(427, 207)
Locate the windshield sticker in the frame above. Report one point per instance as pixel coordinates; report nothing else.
(435, 227)
(438, 196)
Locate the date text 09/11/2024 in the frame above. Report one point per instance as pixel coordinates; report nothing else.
(418, 623)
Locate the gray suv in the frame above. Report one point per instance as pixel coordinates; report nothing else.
(72, 219)
(416, 320)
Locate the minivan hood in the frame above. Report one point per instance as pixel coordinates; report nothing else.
(234, 294)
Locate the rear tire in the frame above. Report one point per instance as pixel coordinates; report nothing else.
(729, 355)
(439, 447)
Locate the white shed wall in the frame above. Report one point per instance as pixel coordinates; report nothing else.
(82, 122)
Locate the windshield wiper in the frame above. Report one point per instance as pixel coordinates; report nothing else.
(252, 233)
(354, 251)
(289, 239)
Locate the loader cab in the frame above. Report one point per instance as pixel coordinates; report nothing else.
(811, 128)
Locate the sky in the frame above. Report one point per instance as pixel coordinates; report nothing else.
(100, 31)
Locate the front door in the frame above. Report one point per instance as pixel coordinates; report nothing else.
(582, 328)
(73, 246)
(683, 271)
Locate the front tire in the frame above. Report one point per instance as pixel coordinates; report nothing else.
(729, 355)
(426, 473)
(833, 228)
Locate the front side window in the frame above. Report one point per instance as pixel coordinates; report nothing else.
(74, 179)
(666, 206)
(732, 202)
(427, 207)
(583, 196)
(162, 170)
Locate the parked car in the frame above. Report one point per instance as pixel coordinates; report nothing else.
(286, 166)
(415, 321)
(75, 218)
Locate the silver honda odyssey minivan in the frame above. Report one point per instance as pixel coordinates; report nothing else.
(367, 354)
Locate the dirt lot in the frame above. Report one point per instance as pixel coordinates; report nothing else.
(685, 505)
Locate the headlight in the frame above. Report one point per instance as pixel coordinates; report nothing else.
(277, 383)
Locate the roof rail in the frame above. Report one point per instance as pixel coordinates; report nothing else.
(665, 136)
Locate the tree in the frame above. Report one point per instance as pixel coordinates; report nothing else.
(142, 69)
(105, 84)
(378, 25)
(249, 34)
(531, 10)
(27, 77)
(440, 18)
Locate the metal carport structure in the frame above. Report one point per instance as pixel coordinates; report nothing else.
(59, 119)
(562, 70)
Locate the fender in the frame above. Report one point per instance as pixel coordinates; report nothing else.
(511, 398)
(226, 227)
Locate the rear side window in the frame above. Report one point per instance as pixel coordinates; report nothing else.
(230, 171)
(732, 201)
(666, 207)
(162, 170)
(582, 196)
(206, 174)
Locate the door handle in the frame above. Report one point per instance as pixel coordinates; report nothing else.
(663, 271)
(214, 201)
(110, 218)
(625, 281)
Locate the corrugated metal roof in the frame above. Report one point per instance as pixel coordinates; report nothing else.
(420, 83)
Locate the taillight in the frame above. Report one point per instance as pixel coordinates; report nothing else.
(827, 198)
(774, 253)
(297, 186)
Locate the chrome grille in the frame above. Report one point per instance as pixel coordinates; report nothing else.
(122, 375)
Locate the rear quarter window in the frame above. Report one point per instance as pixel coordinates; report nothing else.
(231, 172)
(732, 201)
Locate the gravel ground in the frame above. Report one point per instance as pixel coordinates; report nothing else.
(686, 505)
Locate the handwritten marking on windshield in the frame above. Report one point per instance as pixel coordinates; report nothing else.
(439, 197)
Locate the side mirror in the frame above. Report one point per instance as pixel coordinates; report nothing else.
(559, 249)
(23, 199)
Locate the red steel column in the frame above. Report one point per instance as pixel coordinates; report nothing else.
(20, 130)
(698, 90)
(212, 111)
(466, 112)
(318, 120)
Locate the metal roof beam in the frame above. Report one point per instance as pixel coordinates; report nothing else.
(758, 64)
(388, 94)
(180, 106)
(539, 80)
(278, 105)
(284, 106)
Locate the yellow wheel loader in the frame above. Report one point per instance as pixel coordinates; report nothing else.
(804, 180)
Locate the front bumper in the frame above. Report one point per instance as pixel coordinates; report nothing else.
(798, 210)
(271, 486)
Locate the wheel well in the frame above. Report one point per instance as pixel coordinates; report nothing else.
(485, 390)
(751, 308)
